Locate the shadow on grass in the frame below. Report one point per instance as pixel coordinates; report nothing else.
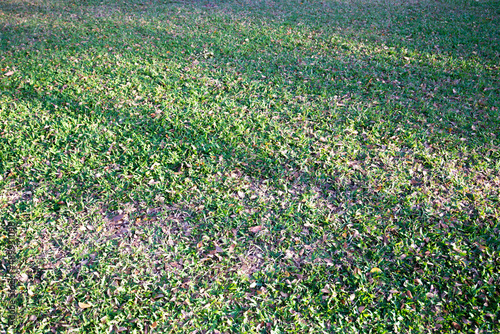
(429, 84)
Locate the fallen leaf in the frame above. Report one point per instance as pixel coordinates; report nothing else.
(456, 325)
(8, 74)
(241, 194)
(23, 278)
(84, 305)
(375, 270)
(218, 249)
(361, 309)
(118, 218)
(256, 229)
(32, 317)
(408, 293)
(154, 324)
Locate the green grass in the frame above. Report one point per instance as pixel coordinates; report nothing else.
(246, 166)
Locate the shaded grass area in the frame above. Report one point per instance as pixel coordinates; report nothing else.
(251, 166)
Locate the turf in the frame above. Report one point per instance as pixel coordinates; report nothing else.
(249, 166)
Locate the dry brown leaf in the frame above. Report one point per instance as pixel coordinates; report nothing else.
(256, 229)
(84, 305)
(118, 218)
(8, 74)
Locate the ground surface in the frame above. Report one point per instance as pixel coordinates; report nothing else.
(250, 166)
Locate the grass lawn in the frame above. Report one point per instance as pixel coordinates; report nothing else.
(249, 166)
